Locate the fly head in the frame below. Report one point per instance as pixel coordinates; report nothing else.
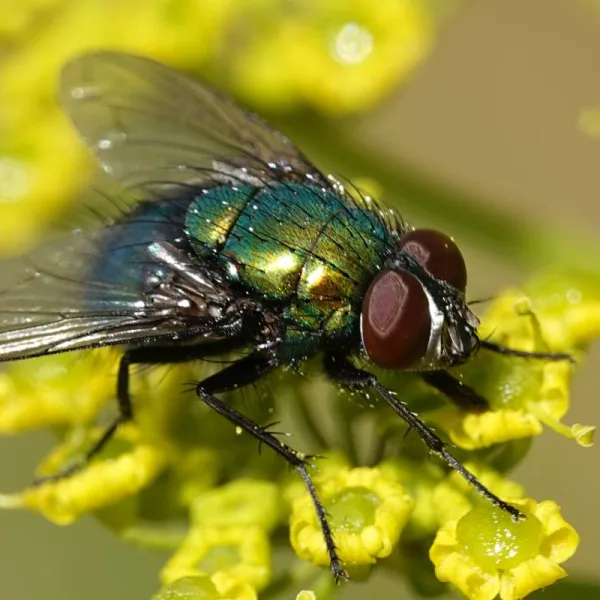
(414, 314)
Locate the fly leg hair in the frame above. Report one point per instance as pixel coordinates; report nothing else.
(243, 372)
(340, 369)
(149, 355)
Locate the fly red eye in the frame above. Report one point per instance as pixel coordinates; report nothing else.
(395, 320)
(438, 254)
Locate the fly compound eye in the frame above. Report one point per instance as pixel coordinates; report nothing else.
(438, 254)
(395, 320)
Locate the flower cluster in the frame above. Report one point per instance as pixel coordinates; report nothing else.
(338, 57)
(181, 478)
(526, 395)
(178, 477)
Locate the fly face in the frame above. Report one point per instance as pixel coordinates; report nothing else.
(414, 314)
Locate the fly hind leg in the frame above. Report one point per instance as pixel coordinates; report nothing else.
(244, 372)
(151, 355)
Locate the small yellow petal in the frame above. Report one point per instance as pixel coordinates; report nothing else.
(561, 538)
(472, 431)
(583, 434)
(531, 575)
(64, 389)
(99, 484)
(241, 552)
(243, 502)
(453, 566)
(231, 588)
(367, 513)
(220, 586)
(486, 552)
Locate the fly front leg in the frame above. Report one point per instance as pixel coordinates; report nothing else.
(243, 372)
(345, 373)
(500, 349)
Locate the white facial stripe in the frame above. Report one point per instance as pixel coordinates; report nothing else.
(434, 346)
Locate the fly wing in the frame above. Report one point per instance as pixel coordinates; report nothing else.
(115, 285)
(152, 127)
(164, 137)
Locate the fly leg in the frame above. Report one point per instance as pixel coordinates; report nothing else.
(151, 355)
(466, 397)
(459, 393)
(246, 371)
(500, 349)
(345, 373)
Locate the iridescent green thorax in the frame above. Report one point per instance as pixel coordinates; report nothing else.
(310, 249)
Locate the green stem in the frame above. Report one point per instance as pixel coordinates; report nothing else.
(306, 415)
(343, 418)
(529, 244)
(324, 586)
(345, 432)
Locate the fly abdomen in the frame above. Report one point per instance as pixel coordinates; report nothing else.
(124, 259)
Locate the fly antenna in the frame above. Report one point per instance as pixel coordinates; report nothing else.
(480, 300)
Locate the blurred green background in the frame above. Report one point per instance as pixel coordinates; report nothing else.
(495, 110)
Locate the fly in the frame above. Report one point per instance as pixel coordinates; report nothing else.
(232, 240)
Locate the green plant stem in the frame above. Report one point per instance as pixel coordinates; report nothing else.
(525, 243)
(344, 430)
(306, 416)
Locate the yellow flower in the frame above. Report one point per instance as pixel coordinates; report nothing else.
(19, 17)
(191, 472)
(367, 513)
(243, 553)
(185, 33)
(229, 533)
(59, 390)
(454, 496)
(421, 481)
(589, 122)
(42, 163)
(556, 313)
(485, 553)
(357, 51)
(340, 57)
(219, 586)
(152, 518)
(241, 503)
(42, 167)
(100, 484)
(293, 488)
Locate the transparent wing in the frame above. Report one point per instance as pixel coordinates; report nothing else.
(117, 285)
(123, 279)
(151, 127)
